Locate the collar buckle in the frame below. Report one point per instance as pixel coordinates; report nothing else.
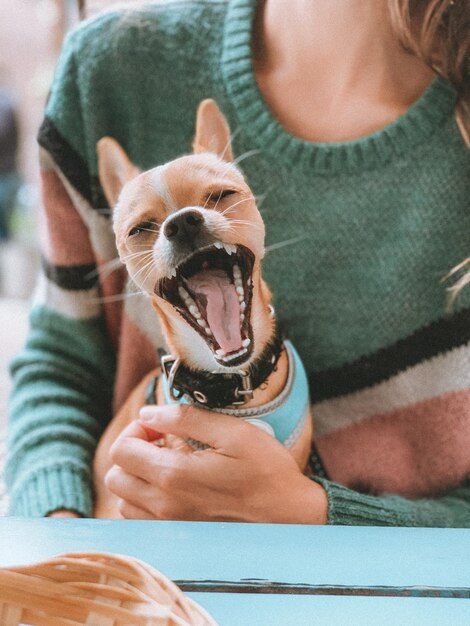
(170, 368)
(246, 392)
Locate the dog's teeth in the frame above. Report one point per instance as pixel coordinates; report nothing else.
(218, 244)
(242, 317)
(208, 330)
(236, 272)
(201, 322)
(240, 352)
(248, 282)
(239, 290)
(238, 283)
(246, 343)
(230, 248)
(242, 306)
(171, 273)
(183, 293)
(194, 311)
(220, 352)
(233, 356)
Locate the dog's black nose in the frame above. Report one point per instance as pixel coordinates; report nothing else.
(185, 225)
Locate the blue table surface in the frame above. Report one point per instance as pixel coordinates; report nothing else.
(317, 557)
(235, 609)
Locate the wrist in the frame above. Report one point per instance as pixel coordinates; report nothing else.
(307, 504)
(314, 508)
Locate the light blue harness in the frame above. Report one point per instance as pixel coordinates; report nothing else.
(285, 416)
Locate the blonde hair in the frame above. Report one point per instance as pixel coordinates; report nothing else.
(438, 32)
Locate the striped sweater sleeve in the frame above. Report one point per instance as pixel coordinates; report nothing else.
(63, 378)
(350, 508)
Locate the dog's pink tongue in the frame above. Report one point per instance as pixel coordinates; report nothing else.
(223, 308)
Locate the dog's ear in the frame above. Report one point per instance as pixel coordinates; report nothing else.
(114, 168)
(212, 131)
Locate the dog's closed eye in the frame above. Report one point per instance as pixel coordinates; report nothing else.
(219, 194)
(143, 227)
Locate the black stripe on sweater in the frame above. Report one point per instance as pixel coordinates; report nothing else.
(425, 343)
(72, 165)
(73, 277)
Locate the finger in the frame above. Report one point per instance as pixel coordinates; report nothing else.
(125, 485)
(130, 511)
(139, 430)
(139, 500)
(219, 431)
(145, 460)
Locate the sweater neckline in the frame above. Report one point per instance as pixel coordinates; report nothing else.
(413, 127)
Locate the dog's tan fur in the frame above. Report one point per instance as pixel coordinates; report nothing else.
(153, 196)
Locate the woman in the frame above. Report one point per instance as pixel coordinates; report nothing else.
(361, 161)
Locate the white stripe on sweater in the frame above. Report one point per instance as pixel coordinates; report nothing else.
(75, 304)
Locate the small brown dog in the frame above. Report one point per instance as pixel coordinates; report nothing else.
(191, 237)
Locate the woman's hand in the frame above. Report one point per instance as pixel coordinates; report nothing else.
(246, 475)
(63, 513)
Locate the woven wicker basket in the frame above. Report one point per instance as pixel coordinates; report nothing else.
(94, 589)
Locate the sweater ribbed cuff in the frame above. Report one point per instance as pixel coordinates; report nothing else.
(50, 489)
(350, 508)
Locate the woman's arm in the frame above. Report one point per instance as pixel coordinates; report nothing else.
(63, 378)
(59, 406)
(352, 508)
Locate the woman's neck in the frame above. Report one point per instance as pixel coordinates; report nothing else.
(333, 70)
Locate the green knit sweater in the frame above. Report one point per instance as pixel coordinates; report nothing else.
(370, 227)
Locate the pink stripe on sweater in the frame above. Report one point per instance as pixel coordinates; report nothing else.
(137, 357)
(64, 236)
(418, 451)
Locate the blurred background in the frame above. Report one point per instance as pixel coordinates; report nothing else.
(31, 35)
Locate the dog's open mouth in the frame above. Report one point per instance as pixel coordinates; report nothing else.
(212, 290)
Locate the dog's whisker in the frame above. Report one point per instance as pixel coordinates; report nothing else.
(239, 159)
(147, 275)
(454, 291)
(287, 242)
(217, 201)
(246, 223)
(149, 230)
(145, 257)
(456, 269)
(134, 255)
(105, 270)
(148, 265)
(235, 220)
(230, 141)
(232, 206)
(260, 200)
(115, 298)
(245, 155)
(145, 264)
